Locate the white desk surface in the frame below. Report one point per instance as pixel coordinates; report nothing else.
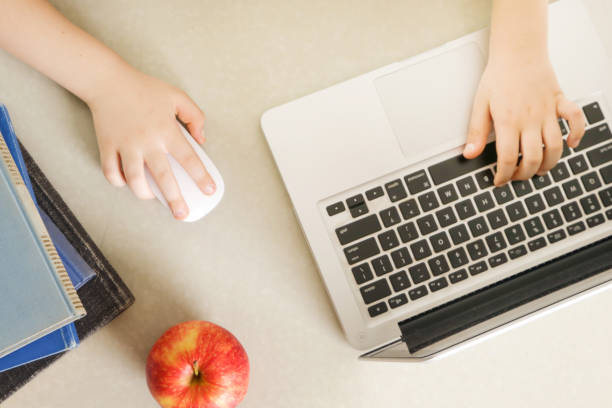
(246, 266)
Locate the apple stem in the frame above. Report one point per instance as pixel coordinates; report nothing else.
(196, 372)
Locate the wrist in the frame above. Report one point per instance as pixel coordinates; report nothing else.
(105, 80)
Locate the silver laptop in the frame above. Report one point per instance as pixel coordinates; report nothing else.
(419, 252)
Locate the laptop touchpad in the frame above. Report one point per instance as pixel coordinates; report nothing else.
(429, 103)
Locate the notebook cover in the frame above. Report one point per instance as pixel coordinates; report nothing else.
(104, 297)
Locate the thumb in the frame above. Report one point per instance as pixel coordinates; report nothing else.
(479, 129)
(192, 116)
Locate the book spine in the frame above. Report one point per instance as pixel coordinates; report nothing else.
(40, 229)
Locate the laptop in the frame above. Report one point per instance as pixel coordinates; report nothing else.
(420, 253)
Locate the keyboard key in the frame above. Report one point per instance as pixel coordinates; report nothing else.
(553, 196)
(409, 209)
(541, 181)
(465, 209)
(566, 150)
(484, 201)
(517, 252)
(497, 219)
(514, 234)
(401, 257)
(419, 273)
(362, 273)
(495, 242)
(609, 214)
(417, 292)
(438, 284)
(395, 190)
(459, 234)
(354, 201)
(466, 186)
(595, 220)
(478, 268)
(521, 187)
(560, 172)
(590, 181)
(556, 236)
(399, 281)
(536, 244)
(382, 265)
(484, 179)
(562, 126)
(552, 219)
(407, 232)
(576, 228)
(516, 211)
(600, 155)
(390, 217)
(572, 189)
(359, 210)
(374, 193)
(377, 309)
(375, 291)
(478, 226)
(606, 174)
(590, 204)
(476, 250)
(397, 301)
(533, 226)
(606, 197)
(335, 208)
(427, 224)
(458, 276)
(447, 194)
(502, 194)
(440, 242)
(497, 260)
(361, 251)
(458, 166)
(571, 211)
(446, 217)
(417, 182)
(420, 250)
(578, 164)
(593, 113)
(594, 136)
(458, 257)
(438, 265)
(388, 240)
(428, 201)
(534, 203)
(358, 229)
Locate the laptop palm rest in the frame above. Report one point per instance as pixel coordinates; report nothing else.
(429, 103)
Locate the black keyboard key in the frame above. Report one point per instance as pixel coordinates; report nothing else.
(600, 155)
(358, 229)
(438, 265)
(417, 292)
(409, 209)
(478, 268)
(457, 276)
(590, 204)
(594, 136)
(335, 208)
(534, 203)
(382, 265)
(388, 240)
(478, 226)
(553, 196)
(606, 197)
(497, 260)
(502, 194)
(578, 164)
(458, 166)
(533, 226)
(397, 301)
(446, 217)
(401, 257)
(465, 209)
(354, 201)
(517, 252)
(536, 244)
(541, 181)
(374, 193)
(361, 251)
(606, 174)
(362, 273)
(466, 186)
(377, 309)
(560, 172)
(521, 187)
(407, 232)
(390, 217)
(562, 126)
(484, 201)
(571, 211)
(447, 194)
(420, 250)
(576, 228)
(497, 219)
(459, 234)
(495, 242)
(458, 257)
(427, 224)
(375, 291)
(590, 181)
(419, 273)
(484, 179)
(556, 236)
(417, 182)
(399, 281)
(572, 189)
(440, 242)
(516, 211)
(514, 234)
(428, 201)
(609, 214)
(552, 219)
(438, 284)
(477, 249)
(566, 150)
(359, 210)
(595, 220)
(593, 113)
(395, 190)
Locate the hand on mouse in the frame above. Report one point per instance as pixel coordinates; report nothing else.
(135, 121)
(520, 97)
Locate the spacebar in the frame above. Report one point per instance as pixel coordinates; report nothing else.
(459, 165)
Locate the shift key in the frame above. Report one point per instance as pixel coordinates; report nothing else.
(594, 136)
(358, 229)
(361, 250)
(600, 155)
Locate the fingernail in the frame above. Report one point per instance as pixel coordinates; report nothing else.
(469, 148)
(179, 212)
(209, 189)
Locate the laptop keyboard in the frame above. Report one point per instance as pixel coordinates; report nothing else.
(443, 225)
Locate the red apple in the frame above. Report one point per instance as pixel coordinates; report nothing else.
(197, 365)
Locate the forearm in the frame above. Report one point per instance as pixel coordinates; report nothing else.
(36, 33)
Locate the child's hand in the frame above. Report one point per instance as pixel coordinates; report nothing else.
(135, 121)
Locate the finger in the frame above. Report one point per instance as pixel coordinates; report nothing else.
(553, 145)
(479, 128)
(164, 177)
(192, 116)
(180, 149)
(111, 167)
(573, 114)
(507, 146)
(133, 169)
(532, 153)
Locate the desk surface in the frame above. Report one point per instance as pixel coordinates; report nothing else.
(247, 266)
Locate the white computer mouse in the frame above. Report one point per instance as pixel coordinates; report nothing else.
(199, 204)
